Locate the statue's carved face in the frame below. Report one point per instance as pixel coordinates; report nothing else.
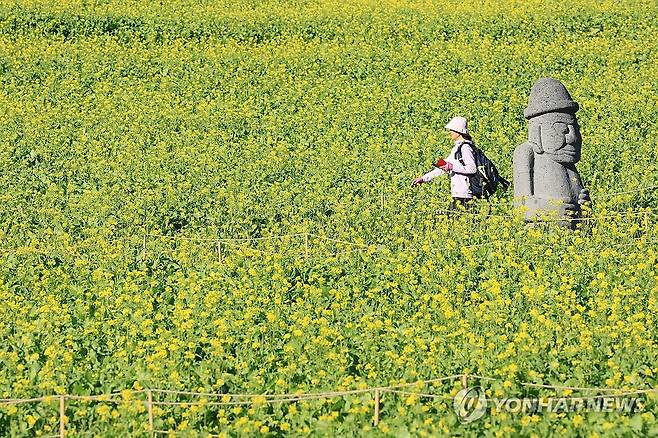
(557, 135)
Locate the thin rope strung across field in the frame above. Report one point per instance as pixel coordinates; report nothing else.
(298, 396)
(176, 433)
(382, 195)
(336, 254)
(225, 239)
(498, 401)
(267, 397)
(255, 399)
(419, 394)
(551, 244)
(627, 192)
(613, 215)
(229, 241)
(571, 388)
(16, 401)
(337, 241)
(240, 242)
(447, 212)
(100, 397)
(639, 240)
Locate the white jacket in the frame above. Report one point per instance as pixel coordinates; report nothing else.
(459, 183)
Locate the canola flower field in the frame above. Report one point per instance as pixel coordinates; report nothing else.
(138, 138)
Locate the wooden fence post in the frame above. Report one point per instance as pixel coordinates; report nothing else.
(464, 381)
(376, 419)
(62, 427)
(149, 406)
(219, 250)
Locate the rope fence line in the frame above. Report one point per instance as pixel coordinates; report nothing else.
(572, 388)
(231, 241)
(420, 394)
(271, 396)
(336, 254)
(627, 192)
(95, 397)
(8, 401)
(650, 211)
(377, 391)
(379, 247)
(295, 396)
(381, 198)
(176, 433)
(227, 239)
(548, 219)
(239, 242)
(382, 193)
(535, 244)
(337, 240)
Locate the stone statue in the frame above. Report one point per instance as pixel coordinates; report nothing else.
(546, 181)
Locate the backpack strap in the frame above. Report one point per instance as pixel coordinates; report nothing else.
(458, 152)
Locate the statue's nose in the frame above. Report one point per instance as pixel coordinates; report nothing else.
(571, 137)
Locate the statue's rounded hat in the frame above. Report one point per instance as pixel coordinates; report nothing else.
(549, 95)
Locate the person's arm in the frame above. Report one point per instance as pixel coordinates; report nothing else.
(468, 168)
(429, 176)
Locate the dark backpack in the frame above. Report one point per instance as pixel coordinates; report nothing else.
(486, 179)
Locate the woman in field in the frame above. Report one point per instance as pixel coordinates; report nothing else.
(458, 169)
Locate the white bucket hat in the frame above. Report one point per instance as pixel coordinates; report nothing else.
(458, 124)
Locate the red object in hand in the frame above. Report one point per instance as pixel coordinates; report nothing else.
(440, 162)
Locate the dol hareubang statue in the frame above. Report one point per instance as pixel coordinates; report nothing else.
(546, 181)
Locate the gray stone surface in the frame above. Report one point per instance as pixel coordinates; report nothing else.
(546, 181)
